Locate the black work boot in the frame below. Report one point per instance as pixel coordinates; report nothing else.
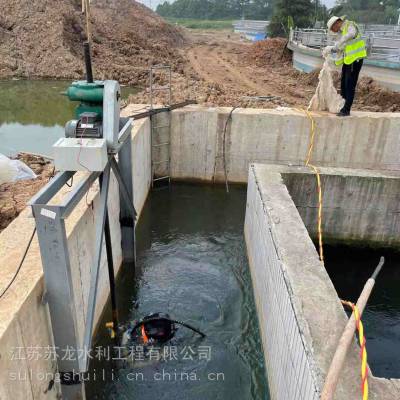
(343, 113)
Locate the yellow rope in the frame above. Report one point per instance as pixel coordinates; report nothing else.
(363, 354)
(319, 184)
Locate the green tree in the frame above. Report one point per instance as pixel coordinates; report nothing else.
(301, 12)
(258, 9)
(369, 11)
(216, 9)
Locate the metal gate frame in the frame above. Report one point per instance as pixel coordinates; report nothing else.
(53, 243)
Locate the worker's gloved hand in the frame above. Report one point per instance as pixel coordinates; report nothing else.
(328, 50)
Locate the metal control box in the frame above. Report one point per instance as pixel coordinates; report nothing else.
(86, 154)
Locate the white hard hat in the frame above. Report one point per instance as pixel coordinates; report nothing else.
(332, 22)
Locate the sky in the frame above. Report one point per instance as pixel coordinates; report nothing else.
(329, 3)
(154, 3)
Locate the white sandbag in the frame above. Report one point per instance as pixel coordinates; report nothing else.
(326, 98)
(14, 170)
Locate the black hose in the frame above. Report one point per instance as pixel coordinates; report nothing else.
(224, 150)
(144, 321)
(188, 326)
(19, 266)
(88, 62)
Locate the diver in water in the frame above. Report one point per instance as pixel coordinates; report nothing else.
(157, 328)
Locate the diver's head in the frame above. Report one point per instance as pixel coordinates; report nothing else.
(158, 328)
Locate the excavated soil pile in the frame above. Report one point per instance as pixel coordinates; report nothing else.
(219, 72)
(271, 52)
(372, 97)
(14, 196)
(43, 39)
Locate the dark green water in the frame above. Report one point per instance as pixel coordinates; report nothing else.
(349, 269)
(191, 264)
(33, 115)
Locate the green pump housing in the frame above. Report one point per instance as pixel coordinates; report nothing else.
(89, 95)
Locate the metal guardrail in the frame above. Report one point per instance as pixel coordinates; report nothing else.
(383, 45)
(315, 38)
(250, 26)
(382, 28)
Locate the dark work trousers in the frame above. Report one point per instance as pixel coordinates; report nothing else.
(350, 75)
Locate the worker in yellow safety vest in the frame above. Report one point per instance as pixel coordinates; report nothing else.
(352, 50)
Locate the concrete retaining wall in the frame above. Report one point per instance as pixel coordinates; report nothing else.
(300, 315)
(363, 141)
(25, 331)
(358, 205)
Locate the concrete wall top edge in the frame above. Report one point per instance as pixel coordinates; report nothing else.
(284, 111)
(363, 173)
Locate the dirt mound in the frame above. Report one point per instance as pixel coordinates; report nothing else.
(14, 196)
(43, 38)
(372, 97)
(310, 79)
(271, 52)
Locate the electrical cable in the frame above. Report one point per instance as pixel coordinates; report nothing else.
(223, 148)
(82, 165)
(19, 266)
(80, 150)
